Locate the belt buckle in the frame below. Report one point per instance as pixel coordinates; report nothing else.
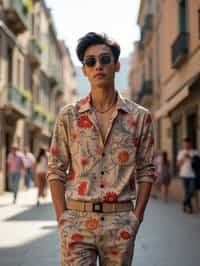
(97, 207)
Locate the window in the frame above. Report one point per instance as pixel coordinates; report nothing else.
(183, 16)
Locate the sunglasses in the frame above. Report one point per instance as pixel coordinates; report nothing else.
(91, 61)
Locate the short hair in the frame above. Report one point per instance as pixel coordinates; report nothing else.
(187, 139)
(93, 38)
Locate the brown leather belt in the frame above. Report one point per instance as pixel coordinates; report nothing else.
(105, 207)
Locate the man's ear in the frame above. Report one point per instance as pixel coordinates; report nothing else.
(117, 66)
(84, 71)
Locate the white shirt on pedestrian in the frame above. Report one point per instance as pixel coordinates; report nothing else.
(186, 170)
(29, 160)
(42, 165)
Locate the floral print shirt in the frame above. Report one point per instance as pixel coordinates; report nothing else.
(93, 170)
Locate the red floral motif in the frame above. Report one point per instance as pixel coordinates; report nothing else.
(91, 224)
(114, 252)
(53, 150)
(73, 175)
(85, 100)
(82, 188)
(85, 161)
(148, 119)
(74, 136)
(125, 235)
(71, 245)
(84, 122)
(77, 237)
(132, 122)
(110, 197)
(123, 156)
(135, 142)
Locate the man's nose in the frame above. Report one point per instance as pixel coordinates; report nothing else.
(98, 64)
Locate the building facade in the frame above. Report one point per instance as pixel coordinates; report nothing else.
(167, 58)
(31, 77)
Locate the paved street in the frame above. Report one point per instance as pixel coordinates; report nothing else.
(28, 234)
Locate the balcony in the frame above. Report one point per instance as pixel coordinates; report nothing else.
(180, 49)
(18, 101)
(16, 15)
(54, 75)
(146, 92)
(34, 51)
(148, 27)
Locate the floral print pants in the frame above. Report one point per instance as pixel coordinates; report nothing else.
(86, 235)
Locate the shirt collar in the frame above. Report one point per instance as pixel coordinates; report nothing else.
(85, 104)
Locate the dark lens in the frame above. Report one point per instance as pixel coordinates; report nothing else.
(105, 59)
(90, 61)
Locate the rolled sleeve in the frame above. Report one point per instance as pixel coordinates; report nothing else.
(58, 161)
(145, 154)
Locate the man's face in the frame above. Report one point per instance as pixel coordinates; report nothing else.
(100, 74)
(187, 145)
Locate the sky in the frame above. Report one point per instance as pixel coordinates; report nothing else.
(117, 18)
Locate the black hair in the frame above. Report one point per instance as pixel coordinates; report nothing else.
(93, 38)
(187, 139)
(42, 152)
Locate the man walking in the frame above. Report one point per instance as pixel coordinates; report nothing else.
(184, 162)
(15, 167)
(29, 162)
(101, 146)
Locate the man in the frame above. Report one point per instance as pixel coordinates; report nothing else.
(100, 146)
(29, 162)
(184, 162)
(15, 167)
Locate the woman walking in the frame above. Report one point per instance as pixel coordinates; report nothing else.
(165, 176)
(41, 171)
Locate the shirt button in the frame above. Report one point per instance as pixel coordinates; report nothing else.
(102, 218)
(102, 172)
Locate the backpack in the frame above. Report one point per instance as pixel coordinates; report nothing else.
(196, 169)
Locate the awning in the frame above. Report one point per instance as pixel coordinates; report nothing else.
(174, 101)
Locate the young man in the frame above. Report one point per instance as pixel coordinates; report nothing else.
(101, 146)
(15, 166)
(184, 162)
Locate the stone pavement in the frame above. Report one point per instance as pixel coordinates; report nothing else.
(28, 234)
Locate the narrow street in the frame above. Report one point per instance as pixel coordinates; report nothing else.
(28, 234)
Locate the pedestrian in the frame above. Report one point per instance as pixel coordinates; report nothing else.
(186, 173)
(100, 147)
(196, 169)
(29, 162)
(40, 172)
(164, 176)
(157, 163)
(15, 167)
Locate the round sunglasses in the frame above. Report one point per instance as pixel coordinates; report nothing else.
(91, 61)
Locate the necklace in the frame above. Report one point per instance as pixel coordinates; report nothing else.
(108, 109)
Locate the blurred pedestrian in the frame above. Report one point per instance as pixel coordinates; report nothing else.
(164, 176)
(157, 163)
(186, 173)
(41, 171)
(101, 147)
(196, 168)
(29, 162)
(15, 167)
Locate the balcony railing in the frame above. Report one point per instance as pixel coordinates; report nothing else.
(18, 101)
(16, 15)
(34, 51)
(179, 50)
(148, 27)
